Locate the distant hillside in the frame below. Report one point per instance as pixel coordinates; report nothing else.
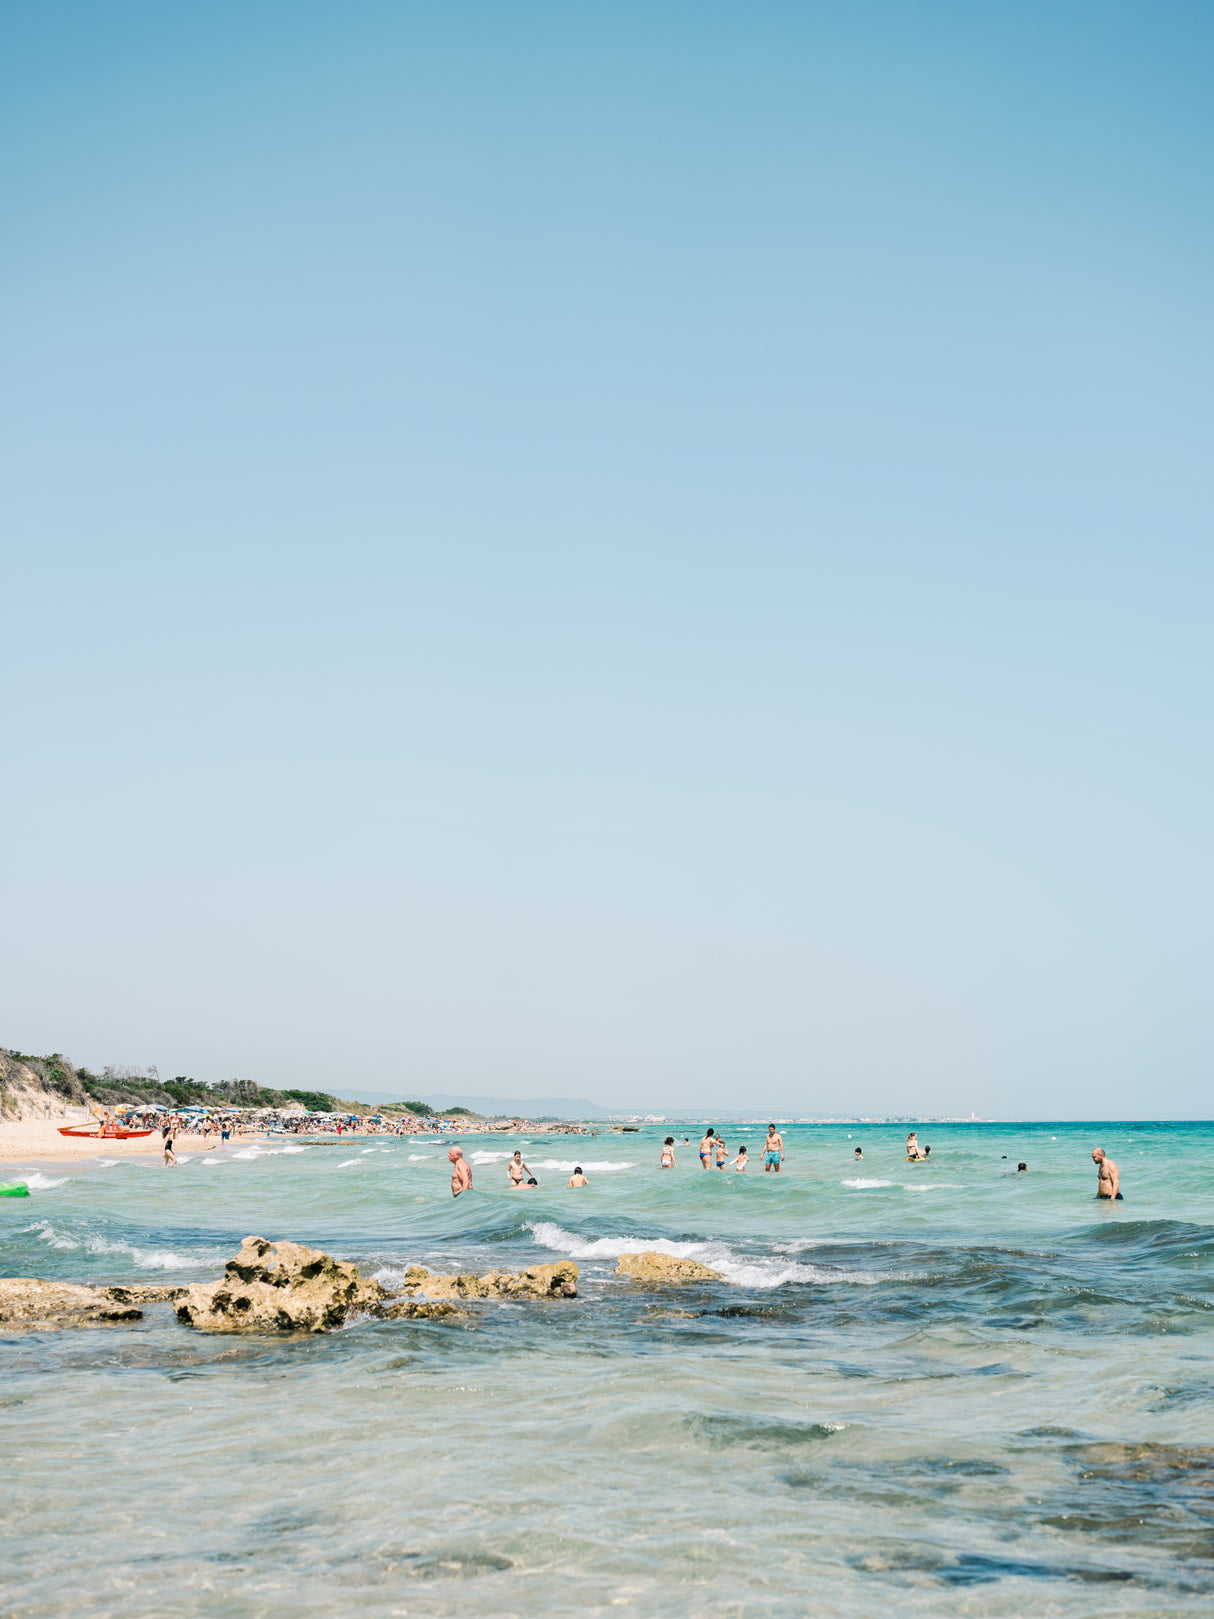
(42, 1086)
(533, 1107)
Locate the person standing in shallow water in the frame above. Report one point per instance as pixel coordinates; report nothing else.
(668, 1158)
(706, 1147)
(461, 1173)
(1108, 1180)
(722, 1153)
(773, 1150)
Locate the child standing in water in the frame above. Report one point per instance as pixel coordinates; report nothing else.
(668, 1158)
(739, 1163)
(722, 1153)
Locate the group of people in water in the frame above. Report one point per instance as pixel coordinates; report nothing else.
(714, 1155)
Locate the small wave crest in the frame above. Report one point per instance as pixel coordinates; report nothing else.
(866, 1183)
(605, 1166)
(38, 1182)
(745, 1270)
(145, 1258)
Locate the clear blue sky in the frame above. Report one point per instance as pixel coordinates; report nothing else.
(657, 552)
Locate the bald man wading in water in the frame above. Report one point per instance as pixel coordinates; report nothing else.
(461, 1173)
(1108, 1181)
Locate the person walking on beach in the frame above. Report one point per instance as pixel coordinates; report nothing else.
(461, 1173)
(706, 1147)
(170, 1157)
(668, 1158)
(773, 1150)
(1108, 1181)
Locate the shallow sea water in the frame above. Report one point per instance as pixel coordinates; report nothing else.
(943, 1387)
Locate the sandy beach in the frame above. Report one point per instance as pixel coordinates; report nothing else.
(22, 1141)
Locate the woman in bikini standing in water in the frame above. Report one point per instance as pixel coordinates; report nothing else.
(668, 1158)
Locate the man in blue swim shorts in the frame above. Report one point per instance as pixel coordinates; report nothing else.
(773, 1150)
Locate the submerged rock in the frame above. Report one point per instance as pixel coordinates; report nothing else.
(536, 1282)
(662, 1269)
(26, 1302)
(419, 1310)
(279, 1287)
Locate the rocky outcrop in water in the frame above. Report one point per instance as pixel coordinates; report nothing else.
(26, 1302)
(537, 1282)
(661, 1269)
(279, 1287)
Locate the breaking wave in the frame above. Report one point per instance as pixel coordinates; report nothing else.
(745, 1270)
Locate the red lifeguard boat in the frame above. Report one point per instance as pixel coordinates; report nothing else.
(115, 1132)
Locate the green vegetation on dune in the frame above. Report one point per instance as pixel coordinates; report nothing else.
(55, 1075)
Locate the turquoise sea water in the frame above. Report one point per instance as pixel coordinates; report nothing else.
(942, 1387)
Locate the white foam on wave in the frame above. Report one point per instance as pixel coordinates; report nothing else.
(257, 1150)
(145, 1258)
(864, 1183)
(38, 1182)
(346, 1162)
(418, 1157)
(53, 1238)
(940, 1186)
(750, 1270)
(605, 1166)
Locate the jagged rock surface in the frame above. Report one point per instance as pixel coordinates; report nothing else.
(662, 1269)
(27, 1302)
(537, 1282)
(142, 1293)
(279, 1287)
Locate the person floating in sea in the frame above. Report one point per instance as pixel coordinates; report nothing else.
(577, 1178)
(722, 1153)
(1108, 1180)
(668, 1158)
(858, 1154)
(170, 1157)
(739, 1163)
(461, 1173)
(517, 1172)
(706, 1147)
(773, 1150)
(1022, 1169)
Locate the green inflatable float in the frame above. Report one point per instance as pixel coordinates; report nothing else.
(14, 1191)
